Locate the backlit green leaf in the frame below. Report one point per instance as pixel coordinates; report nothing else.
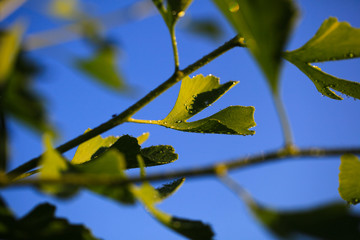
(9, 47)
(196, 94)
(333, 221)
(111, 164)
(102, 67)
(129, 147)
(333, 41)
(191, 229)
(40, 224)
(265, 25)
(349, 179)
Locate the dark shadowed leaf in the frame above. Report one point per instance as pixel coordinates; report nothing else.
(196, 94)
(332, 222)
(20, 100)
(129, 147)
(349, 179)
(170, 188)
(172, 10)
(333, 41)
(103, 67)
(189, 228)
(206, 27)
(265, 25)
(40, 224)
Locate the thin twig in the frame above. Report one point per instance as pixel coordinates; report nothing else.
(240, 163)
(125, 115)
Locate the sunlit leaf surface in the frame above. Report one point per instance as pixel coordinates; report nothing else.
(349, 178)
(333, 41)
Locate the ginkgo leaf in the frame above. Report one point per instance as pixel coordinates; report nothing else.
(40, 224)
(349, 179)
(196, 94)
(265, 25)
(102, 67)
(9, 48)
(53, 166)
(333, 41)
(110, 164)
(325, 82)
(189, 228)
(129, 147)
(333, 221)
(168, 189)
(173, 10)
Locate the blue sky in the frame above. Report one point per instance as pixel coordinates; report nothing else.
(76, 103)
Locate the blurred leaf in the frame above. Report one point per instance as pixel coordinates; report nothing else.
(67, 9)
(129, 147)
(191, 229)
(20, 100)
(208, 28)
(53, 165)
(332, 222)
(196, 94)
(143, 137)
(265, 25)
(40, 224)
(110, 164)
(168, 189)
(349, 179)
(325, 82)
(7, 7)
(333, 41)
(102, 67)
(9, 48)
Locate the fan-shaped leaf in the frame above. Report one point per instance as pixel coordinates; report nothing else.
(265, 25)
(333, 41)
(196, 94)
(349, 179)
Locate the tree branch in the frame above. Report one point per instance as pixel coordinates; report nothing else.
(125, 115)
(282, 154)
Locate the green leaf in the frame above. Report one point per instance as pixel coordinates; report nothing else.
(168, 189)
(9, 48)
(129, 147)
(333, 221)
(349, 179)
(40, 224)
(265, 25)
(196, 94)
(206, 27)
(333, 41)
(110, 165)
(54, 166)
(176, 8)
(102, 67)
(325, 82)
(20, 100)
(191, 229)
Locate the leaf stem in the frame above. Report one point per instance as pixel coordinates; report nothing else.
(143, 121)
(240, 163)
(125, 115)
(174, 47)
(285, 124)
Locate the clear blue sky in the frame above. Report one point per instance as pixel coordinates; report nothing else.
(76, 103)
